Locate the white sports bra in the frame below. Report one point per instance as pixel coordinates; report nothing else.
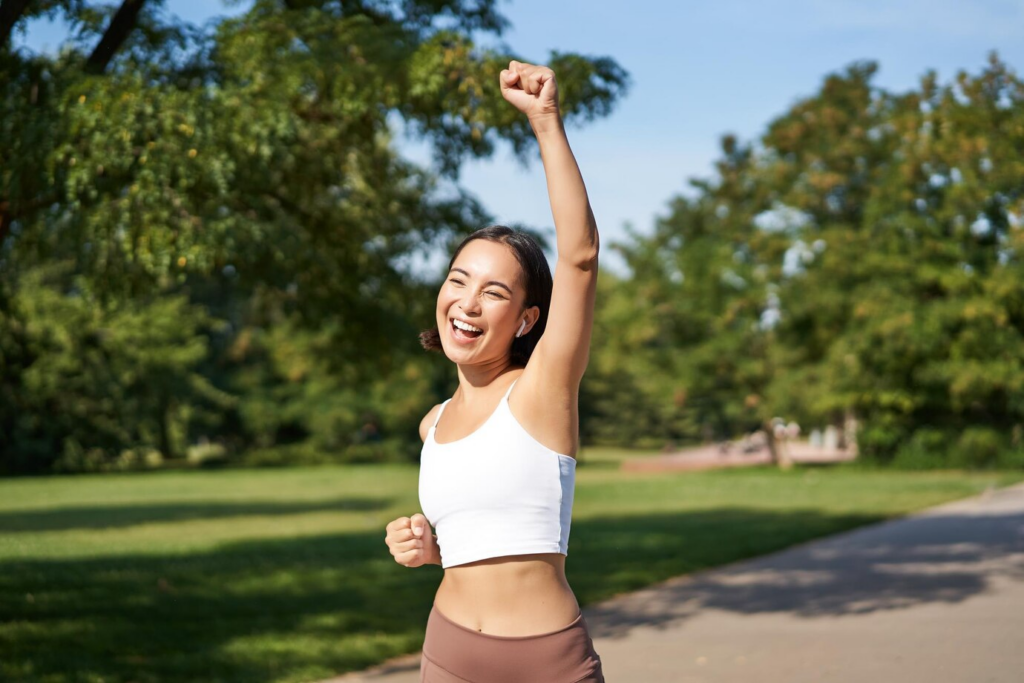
(496, 492)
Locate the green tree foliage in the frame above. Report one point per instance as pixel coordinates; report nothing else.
(84, 381)
(248, 173)
(864, 257)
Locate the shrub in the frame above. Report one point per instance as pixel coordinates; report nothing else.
(978, 447)
(879, 442)
(927, 448)
(385, 450)
(303, 453)
(1011, 459)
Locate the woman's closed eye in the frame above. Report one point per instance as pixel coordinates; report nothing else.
(459, 282)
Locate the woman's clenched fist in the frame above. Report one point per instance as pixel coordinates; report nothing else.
(411, 541)
(531, 89)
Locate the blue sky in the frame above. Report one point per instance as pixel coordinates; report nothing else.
(699, 70)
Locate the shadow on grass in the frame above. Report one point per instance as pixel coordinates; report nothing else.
(125, 515)
(309, 608)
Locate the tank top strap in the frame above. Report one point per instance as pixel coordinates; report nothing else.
(503, 400)
(438, 418)
(509, 391)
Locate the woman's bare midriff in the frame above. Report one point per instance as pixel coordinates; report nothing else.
(514, 595)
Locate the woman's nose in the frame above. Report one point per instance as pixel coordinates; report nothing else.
(469, 303)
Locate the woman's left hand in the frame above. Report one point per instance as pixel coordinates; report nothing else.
(531, 89)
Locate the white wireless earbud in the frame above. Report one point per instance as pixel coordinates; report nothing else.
(520, 332)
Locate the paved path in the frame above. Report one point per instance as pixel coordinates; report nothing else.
(934, 597)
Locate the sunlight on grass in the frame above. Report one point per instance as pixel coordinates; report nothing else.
(283, 575)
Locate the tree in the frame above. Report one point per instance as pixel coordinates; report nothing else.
(863, 258)
(252, 169)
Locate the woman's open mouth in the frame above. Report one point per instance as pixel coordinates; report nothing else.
(462, 334)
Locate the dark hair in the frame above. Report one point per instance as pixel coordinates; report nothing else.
(535, 278)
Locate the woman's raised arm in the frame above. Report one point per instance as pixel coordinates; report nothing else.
(564, 350)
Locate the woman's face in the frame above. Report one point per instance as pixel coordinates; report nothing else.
(483, 290)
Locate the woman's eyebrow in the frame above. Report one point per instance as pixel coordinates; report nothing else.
(490, 282)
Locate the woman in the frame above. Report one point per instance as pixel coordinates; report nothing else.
(497, 474)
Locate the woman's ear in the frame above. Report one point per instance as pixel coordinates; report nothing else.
(532, 316)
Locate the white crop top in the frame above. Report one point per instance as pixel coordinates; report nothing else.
(496, 492)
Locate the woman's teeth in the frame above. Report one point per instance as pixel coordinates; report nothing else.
(465, 330)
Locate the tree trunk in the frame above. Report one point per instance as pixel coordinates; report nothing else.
(773, 449)
(5, 220)
(115, 35)
(778, 448)
(849, 432)
(164, 418)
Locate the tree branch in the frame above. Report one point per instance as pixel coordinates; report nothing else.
(115, 35)
(10, 12)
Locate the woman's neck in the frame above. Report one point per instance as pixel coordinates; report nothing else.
(474, 379)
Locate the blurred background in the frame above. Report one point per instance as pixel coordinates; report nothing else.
(222, 226)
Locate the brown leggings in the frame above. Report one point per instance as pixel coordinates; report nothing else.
(453, 653)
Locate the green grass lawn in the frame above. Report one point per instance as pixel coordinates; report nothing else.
(283, 574)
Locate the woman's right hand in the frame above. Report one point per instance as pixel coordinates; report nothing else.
(531, 89)
(412, 548)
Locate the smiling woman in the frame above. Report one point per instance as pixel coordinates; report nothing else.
(498, 466)
(530, 279)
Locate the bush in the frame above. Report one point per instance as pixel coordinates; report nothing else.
(392, 450)
(286, 455)
(385, 450)
(140, 458)
(927, 448)
(1011, 459)
(879, 442)
(978, 447)
(75, 458)
(78, 459)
